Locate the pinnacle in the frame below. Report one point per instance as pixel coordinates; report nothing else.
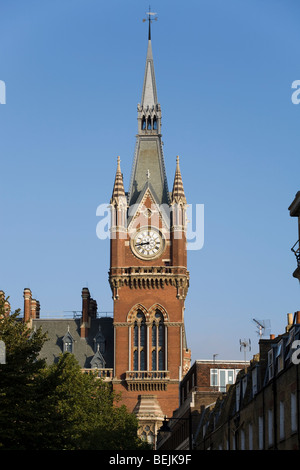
(118, 190)
(178, 191)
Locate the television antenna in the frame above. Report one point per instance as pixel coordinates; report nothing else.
(264, 327)
(244, 345)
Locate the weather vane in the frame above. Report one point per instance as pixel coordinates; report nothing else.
(151, 16)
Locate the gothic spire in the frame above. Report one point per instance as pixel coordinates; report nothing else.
(149, 95)
(149, 151)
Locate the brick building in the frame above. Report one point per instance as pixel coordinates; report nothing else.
(261, 410)
(148, 272)
(203, 384)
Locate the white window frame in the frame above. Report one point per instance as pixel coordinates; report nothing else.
(215, 374)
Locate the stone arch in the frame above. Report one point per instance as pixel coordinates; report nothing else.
(131, 317)
(161, 309)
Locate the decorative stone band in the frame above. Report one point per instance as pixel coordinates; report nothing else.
(150, 278)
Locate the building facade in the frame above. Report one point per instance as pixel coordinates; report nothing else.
(204, 383)
(261, 410)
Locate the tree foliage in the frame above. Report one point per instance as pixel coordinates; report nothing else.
(56, 407)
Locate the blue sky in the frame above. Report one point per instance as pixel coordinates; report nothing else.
(73, 71)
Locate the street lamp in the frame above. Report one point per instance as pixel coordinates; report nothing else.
(165, 429)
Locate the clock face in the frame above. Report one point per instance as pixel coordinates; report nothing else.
(147, 243)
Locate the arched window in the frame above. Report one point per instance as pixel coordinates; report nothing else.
(139, 342)
(143, 123)
(154, 123)
(158, 342)
(149, 123)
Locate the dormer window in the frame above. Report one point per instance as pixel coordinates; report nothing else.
(99, 342)
(68, 342)
(98, 361)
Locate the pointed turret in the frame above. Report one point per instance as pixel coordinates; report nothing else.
(118, 190)
(178, 195)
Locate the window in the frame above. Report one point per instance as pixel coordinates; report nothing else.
(143, 123)
(281, 420)
(250, 437)
(270, 427)
(158, 342)
(139, 342)
(293, 412)
(260, 432)
(242, 439)
(220, 378)
(148, 336)
(214, 377)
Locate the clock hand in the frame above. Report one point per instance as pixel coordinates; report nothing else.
(144, 243)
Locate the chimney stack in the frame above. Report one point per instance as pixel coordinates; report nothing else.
(27, 304)
(289, 322)
(89, 310)
(85, 322)
(31, 306)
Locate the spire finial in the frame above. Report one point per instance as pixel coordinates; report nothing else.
(151, 16)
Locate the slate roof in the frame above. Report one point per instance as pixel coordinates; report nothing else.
(83, 348)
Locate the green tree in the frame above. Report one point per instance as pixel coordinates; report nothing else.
(17, 379)
(87, 414)
(56, 407)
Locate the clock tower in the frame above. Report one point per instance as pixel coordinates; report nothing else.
(148, 273)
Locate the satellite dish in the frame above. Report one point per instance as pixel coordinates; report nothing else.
(264, 327)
